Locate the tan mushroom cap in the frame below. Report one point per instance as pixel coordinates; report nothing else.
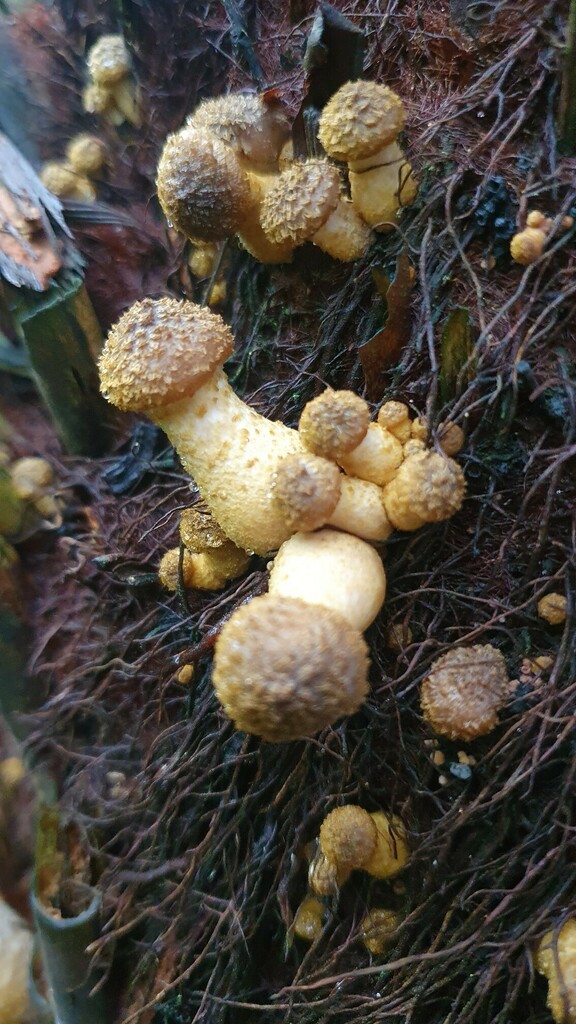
(251, 125)
(360, 119)
(306, 489)
(348, 837)
(527, 246)
(283, 671)
(203, 190)
(552, 608)
(300, 202)
(427, 488)
(556, 959)
(378, 929)
(464, 690)
(334, 423)
(161, 350)
(199, 531)
(86, 153)
(108, 60)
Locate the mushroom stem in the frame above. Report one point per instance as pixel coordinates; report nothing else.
(380, 185)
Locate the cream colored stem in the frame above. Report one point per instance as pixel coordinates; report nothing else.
(232, 453)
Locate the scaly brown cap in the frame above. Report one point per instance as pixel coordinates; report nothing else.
(464, 690)
(360, 119)
(427, 488)
(284, 670)
(203, 190)
(334, 423)
(348, 837)
(248, 123)
(306, 489)
(162, 350)
(108, 60)
(300, 202)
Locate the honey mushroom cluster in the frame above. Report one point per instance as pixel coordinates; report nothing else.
(71, 178)
(220, 175)
(528, 245)
(306, 668)
(111, 91)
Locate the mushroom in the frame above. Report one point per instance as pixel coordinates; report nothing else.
(17, 944)
(395, 417)
(109, 67)
(61, 179)
(304, 204)
(254, 126)
(528, 245)
(552, 608)
(86, 154)
(353, 839)
(308, 919)
(204, 570)
(311, 492)
(392, 851)
(428, 487)
(98, 100)
(556, 959)
(463, 692)
(284, 670)
(360, 125)
(207, 195)
(336, 425)
(334, 570)
(378, 928)
(164, 358)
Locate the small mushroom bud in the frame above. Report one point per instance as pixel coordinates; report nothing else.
(378, 929)
(86, 154)
(395, 417)
(450, 437)
(392, 851)
(527, 246)
(30, 477)
(427, 488)
(109, 66)
(304, 205)
(556, 959)
(284, 671)
(360, 125)
(552, 608)
(61, 179)
(348, 838)
(464, 691)
(308, 919)
(206, 570)
(203, 258)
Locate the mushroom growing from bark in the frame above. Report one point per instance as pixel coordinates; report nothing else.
(427, 488)
(463, 692)
(556, 959)
(164, 358)
(360, 125)
(305, 205)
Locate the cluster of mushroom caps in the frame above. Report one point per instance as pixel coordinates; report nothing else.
(528, 245)
(111, 91)
(229, 171)
(292, 661)
(72, 178)
(352, 839)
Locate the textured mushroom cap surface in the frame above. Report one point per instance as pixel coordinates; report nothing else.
(395, 417)
(392, 850)
(161, 350)
(306, 489)
(464, 690)
(552, 608)
(203, 190)
(283, 672)
(378, 928)
(359, 119)
(108, 60)
(59, 178)
(348, 837)
(248, 123)
(334, 423)
(334, 570)
(300, 202)
(427, 486)
(199, 531)
(308, 919)
(86, 153)
(527, 246)
(556, 959)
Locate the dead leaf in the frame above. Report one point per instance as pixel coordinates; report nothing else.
(385, 347)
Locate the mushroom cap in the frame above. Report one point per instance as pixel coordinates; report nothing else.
(203, 190)
(395, 417)
(392, 850)
(283, 671)
(161, 350)
(96, 99)
(108, 60)
(334, 570)
(31, 476)
(556, 959)
(300, 202)
(306, 489)
(308, 919)
(60, 178)
(552, 608)
(464, 690)
(199, 531)
(359, 119)
(86, 153)
(246, 122)
(428, 486)
(334, 423)
(527, 246)
(348, 837)
(378, 928)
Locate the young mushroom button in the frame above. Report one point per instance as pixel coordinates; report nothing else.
(463, 692)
